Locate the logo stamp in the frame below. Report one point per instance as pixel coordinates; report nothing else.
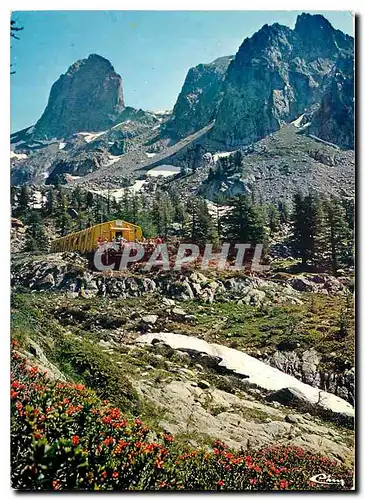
(323, 478)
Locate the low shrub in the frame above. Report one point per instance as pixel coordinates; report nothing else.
(63, 437)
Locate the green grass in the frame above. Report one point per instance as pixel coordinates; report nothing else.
(315, 323)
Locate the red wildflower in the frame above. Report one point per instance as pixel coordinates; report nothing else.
(137, 422)
(253, 481)
(79, 387)
(150, 447)
(13, 394)
(104, 474)
(115, 475)
(168, 437)
(283, 484)
(108, 441)
(56, 484)
(220, 483)
(75, 440)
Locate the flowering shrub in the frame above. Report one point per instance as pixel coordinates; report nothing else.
(64, 438)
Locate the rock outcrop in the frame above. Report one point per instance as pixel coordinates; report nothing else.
(277, 75)
(334, 121)
(258, 374)
(88, 97)
(200, 96)
(305, 367)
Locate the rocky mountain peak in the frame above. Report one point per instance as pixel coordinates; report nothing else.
(315, 22)
(276, 75)
(94, 60)
(324, 39)
(88, 97)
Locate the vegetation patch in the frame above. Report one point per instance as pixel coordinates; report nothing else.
(65, 438)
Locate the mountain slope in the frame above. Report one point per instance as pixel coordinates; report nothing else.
(200, 96)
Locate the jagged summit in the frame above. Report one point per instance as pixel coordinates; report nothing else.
(320, 38)
(307, 21)
(88, 97)
(276, 75)
(92, 59)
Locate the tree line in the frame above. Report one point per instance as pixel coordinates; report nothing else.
(319, 229)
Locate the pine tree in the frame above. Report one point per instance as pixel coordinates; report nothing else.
(337, 232)
(13, 195)
(303, 231)
(50, 203)
(63, 219)
(162, 213)
(219, 201)
(236, 222)
(284, 211)
(24, 200)
(202, 228)
(349, 206)
(309, 238)
(274, 219)
(245, 223)
(77, 198)
(89, 200)
(36, 238)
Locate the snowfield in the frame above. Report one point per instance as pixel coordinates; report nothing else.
(164, 170)
(222, 155)
(256, 371)
(88, 136)
(18, 156)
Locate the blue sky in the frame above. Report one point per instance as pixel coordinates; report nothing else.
(151, 50)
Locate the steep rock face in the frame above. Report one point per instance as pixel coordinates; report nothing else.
(88, 97)
(277, 75)
(200, 96)
(334, 120)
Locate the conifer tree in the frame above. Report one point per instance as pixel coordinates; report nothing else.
(245, 223)
(284, 211)
(337, 232)
(36, 238)
(303, 231)
(202, 227)
(274, 219)
(309, 231)
(24, 200)
(50, 202)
